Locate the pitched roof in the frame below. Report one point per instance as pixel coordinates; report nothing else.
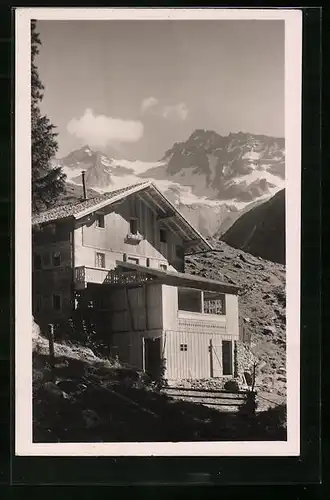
(72, 209)
(150, 195)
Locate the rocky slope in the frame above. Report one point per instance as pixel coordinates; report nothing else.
(261, 231)
(262, 306)
(238, 169)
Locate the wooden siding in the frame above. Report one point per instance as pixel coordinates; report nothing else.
(170, 307)
(232, 315)
(112, 239)
(51, 279)
(195, 362)
(119, 308)
(129, 347)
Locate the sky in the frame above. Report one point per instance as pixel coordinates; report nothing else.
(138, 87)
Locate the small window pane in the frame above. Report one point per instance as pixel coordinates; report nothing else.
(100, 260)
(133, 226)
(190, 300)
(163, 235)
(99, 222)
(56, 259)
(183, 347)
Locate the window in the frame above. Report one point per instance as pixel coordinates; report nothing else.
(163, 235)
(37, 261)
(227, 357)
(133, 260)
(190, 300)
(148, 262)
(56, 259)
(99, 221)
(179, 252)
(57, 302)
(183, 347)
(214, 303)
(100, 260)
(133, 226)
(163, 267)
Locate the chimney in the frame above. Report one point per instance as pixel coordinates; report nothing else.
(83, 172)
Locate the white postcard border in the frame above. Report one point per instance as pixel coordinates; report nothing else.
(23, 254)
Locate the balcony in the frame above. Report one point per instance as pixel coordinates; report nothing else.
(84, 275)
(98, 275)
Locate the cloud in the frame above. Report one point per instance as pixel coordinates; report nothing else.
(178, 111)
(99, 130)
(148, 103)
(151, 105)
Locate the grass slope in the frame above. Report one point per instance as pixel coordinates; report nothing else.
(93, 400)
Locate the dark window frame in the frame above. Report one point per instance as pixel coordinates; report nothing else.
(133, 225)
(227, 358)
(56, 259)
(100, 221)
(102, 255)
(162, 235)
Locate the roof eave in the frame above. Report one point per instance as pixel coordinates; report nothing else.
(52, 221)
(110, 201)
(183, 218)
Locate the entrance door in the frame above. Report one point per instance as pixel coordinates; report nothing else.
(152, 357)
(215, 359)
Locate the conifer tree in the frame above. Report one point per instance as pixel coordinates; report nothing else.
(48, 182)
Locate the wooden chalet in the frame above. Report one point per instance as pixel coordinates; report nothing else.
(121, 256)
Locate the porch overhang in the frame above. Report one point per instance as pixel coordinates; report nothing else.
(178, 279)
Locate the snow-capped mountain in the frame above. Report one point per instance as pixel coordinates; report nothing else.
(236, 169)
(210, 178)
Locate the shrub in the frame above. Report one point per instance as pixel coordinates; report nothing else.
(248, 409)
(231, 386)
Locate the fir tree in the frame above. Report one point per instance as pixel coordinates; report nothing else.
(48, 182)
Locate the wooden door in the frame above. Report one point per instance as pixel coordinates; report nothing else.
(215, 353)
(152, 357)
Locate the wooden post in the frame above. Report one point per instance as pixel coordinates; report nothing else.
(143, 354)
(51, 349)
(253, 376)
(211, 357)
(146, 307)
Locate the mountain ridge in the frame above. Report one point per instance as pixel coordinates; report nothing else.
(212, 179)
(261, 231)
